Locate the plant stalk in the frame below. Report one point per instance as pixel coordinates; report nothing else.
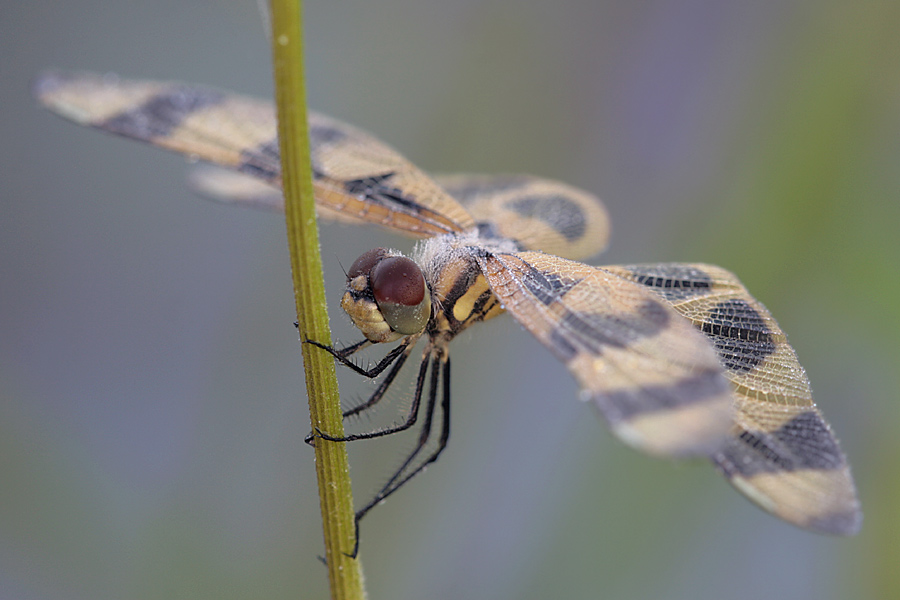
(335, 497)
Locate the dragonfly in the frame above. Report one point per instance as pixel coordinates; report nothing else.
(679, 359)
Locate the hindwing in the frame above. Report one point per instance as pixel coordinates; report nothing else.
(781, 452)
(539, 214)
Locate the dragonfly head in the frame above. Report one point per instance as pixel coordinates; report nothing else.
(387, 297)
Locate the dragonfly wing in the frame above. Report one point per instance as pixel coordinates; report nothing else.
(540, 214)
(356, 177)
(655, 378)
(781, 453)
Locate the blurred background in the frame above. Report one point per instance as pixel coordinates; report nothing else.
(152, 404)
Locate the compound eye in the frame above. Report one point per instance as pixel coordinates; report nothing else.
(397, 279)
(364, 264)
(400, 292)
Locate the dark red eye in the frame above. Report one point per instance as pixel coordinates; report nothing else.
(396, 280)
(364, 264)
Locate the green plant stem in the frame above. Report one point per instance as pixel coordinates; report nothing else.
(335, 497)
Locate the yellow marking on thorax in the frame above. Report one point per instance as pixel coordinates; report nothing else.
(462, 288)
(465, 304)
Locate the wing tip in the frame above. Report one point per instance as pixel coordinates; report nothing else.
(822, 502)
(51, 88)
(48, 82)
(54, 79)
(846, 523)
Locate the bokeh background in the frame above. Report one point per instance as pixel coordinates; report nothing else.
(151, 399)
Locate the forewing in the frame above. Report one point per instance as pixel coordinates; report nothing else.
(540, 214)
(782, 453)
(356, 178)
(654, 377)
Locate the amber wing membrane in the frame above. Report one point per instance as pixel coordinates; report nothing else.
(782, 453)
(655, 379)
(356, 177)
(540, 214)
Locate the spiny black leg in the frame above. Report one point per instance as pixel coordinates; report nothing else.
(410, 418)
(425, 433)
(379, 392)
(445, 409)
(393, 485)
(347, 350)
(398, 354)
(423, 439)
(343, 355)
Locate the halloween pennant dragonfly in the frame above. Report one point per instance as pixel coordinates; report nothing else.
(679, 358)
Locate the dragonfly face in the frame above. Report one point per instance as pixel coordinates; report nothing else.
(678, 358)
